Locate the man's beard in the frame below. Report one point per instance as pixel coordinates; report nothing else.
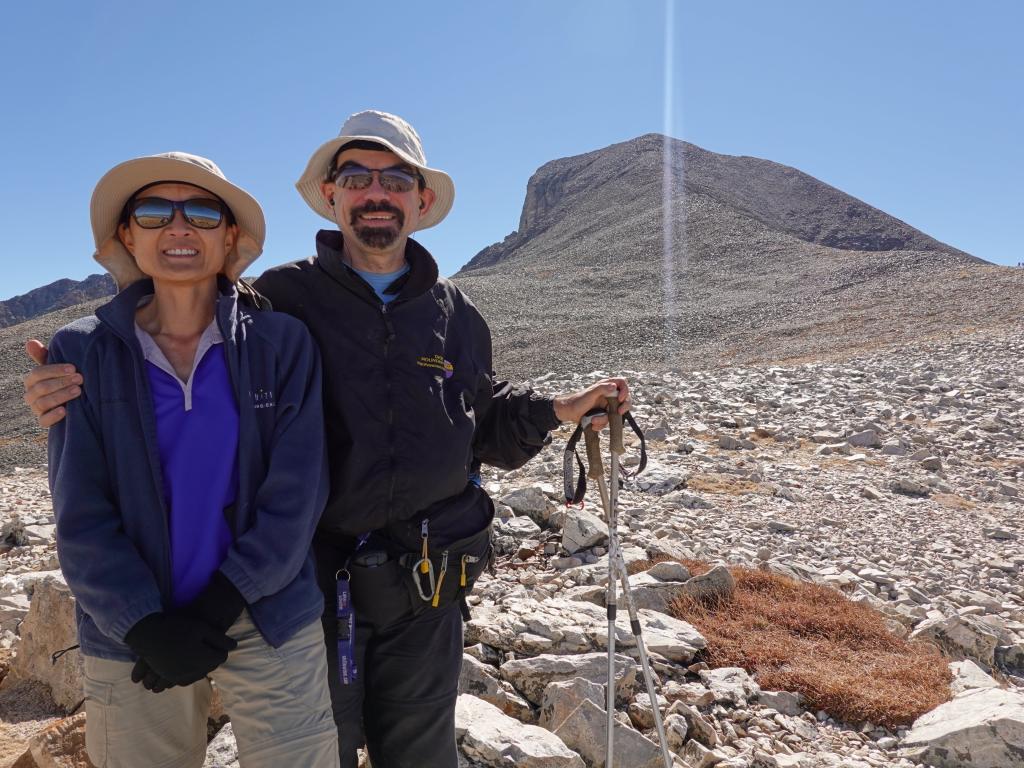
(377, 236)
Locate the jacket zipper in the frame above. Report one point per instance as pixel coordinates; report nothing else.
(231, 359)
(390, 328)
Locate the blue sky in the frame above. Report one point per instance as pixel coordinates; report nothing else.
(914, 106)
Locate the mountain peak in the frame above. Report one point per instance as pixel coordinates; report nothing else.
(600, 185)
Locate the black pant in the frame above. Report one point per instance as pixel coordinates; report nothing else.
(402, 703)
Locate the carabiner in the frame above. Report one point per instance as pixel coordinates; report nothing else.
(424, 565)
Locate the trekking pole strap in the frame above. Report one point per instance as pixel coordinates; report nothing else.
(576, 489)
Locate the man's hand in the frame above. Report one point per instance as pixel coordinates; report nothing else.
(573, 406)
(48, 387)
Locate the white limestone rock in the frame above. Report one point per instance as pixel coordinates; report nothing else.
(582, 529)
(977, 729)
(492, 738)
(585, 730)
(533, 675)
(960, 636)
(731, 685)
(50, 627)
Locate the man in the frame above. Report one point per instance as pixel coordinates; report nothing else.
(411, 411)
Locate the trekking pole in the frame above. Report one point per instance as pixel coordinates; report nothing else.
(596, 473)
(617, 563)
(617, 572)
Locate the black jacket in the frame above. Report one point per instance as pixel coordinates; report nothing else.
(410, 400)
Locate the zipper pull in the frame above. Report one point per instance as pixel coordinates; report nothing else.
(425, 555)
(440, 580)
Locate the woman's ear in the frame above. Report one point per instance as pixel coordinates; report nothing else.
(124, 234)
(230, 238)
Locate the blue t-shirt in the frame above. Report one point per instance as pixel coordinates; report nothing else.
(381, 280)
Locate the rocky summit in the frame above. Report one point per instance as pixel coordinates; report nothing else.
(896, 477)
(655, 254)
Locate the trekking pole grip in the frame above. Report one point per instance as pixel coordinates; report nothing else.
(592, 440)
(615, 426)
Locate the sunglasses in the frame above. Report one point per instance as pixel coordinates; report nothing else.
(156, 212)
(397, 180)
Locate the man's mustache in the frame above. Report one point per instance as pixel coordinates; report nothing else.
(381, 207)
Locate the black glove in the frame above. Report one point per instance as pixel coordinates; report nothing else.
(151, 681)
(219, 605)
(179, 648)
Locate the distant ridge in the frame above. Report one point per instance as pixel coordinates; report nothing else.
(56, 295)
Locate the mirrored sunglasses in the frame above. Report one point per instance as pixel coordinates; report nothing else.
(397, 180)
(156, 212)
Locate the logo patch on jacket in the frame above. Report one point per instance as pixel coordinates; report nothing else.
(438, 362)
(263, 398)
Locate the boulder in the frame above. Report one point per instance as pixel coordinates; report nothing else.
(968, 676)
(731, 685)
(583, 529)
(585, 730)
(492, 738)
(697, 726)
(562, 697)
(49, 628)
(481, 680)
(867, 439)
(557, 625)
(977, 729)
(668, 570)
(649, 592)
(532, 676)
(60, 745)
(530, 501)
(962, 637)
(783, 702)
(717, 583)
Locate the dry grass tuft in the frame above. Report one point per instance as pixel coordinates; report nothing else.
(642, 565)
(725, 484)
(804, 637)
(952, 501)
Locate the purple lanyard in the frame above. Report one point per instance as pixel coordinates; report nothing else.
(346, 621)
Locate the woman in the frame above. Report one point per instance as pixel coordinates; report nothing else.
(187, 481)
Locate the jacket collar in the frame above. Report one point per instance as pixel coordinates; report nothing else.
(119, 312)
(420, 278)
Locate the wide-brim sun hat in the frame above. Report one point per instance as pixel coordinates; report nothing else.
(118, 184)
(396, 135)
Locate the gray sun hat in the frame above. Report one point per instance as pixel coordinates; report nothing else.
(118, 184)
(399, 137)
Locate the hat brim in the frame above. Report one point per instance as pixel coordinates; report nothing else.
(309, 183)
(120, 183)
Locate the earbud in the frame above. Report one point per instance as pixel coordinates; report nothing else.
(331, 201)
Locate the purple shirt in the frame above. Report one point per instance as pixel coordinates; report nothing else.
(197, 433)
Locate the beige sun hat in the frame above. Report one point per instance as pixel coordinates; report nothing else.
(398, 136)
(123, 180)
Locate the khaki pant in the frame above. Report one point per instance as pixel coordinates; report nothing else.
(277, 699)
